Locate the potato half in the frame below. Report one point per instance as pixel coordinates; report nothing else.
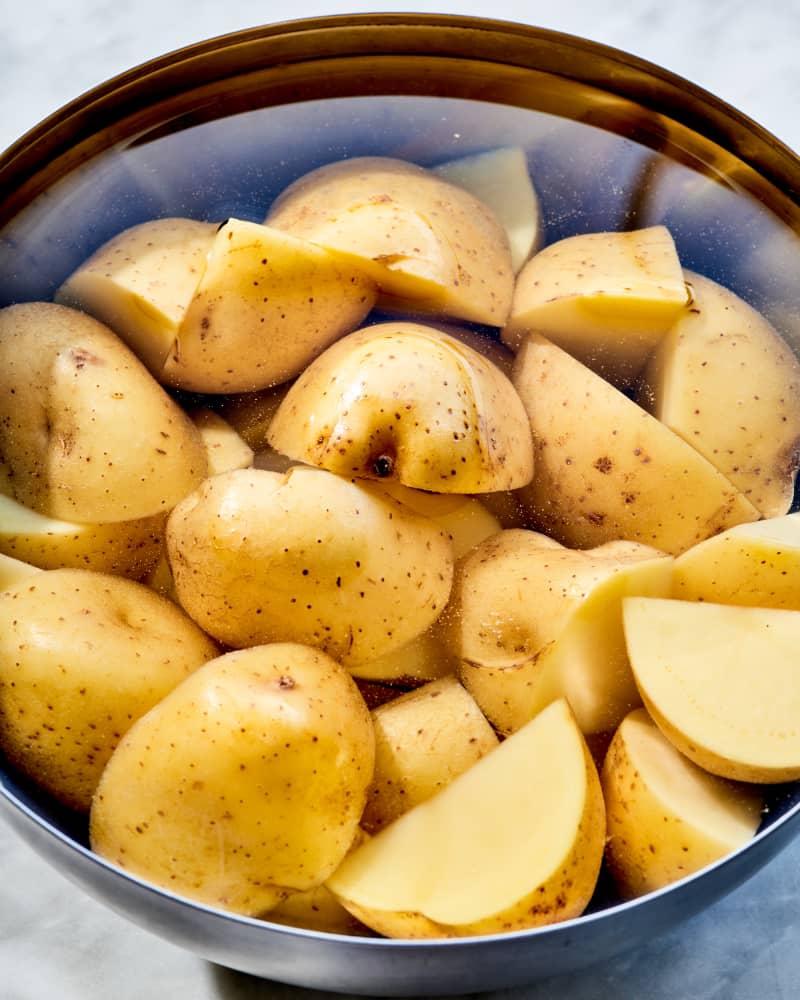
(721, 682)
(666, 816)
(407, 401)
(514, 842)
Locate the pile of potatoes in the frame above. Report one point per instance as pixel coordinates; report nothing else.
(379, 568)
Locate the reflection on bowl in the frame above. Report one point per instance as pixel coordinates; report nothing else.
(217, 131)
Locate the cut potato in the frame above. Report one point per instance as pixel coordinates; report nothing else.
(307, 557)
(82, 656)
(259, 794)
(86, 433)
(406, 401)
(225, 449)
(754, 564)
(729, 385)
(666, 816)
(423, 740)
(425, 658)
(266, 305)
(605, 298)
(124, 548)
(140, 282)
(531, 621)
(514, 842)
(721, 682)
(251, 413)
(427, 244)
(605, 469)
(13, 571)
(500, 179)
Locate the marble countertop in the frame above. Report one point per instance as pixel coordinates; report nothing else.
(56, 942)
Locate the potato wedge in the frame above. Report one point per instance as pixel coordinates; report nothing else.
(721, 682)
(483, 855)
(666, 816)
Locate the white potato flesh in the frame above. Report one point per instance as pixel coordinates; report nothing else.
(86, 433)
(141, 281)
(754, 564)
(266, 305)
(225, 449)
(307, 557)
(606, 469)
(500, 179)
(404, 400)
(428, 245)
(721, 682)
(666, 816)
(605, 298)
(124, 548)
(515, 841)
(725, 381)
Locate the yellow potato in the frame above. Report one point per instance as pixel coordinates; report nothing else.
(251, 413)
(531, 621)
(307, 557)
(721, 682)
(725, 381)
(514, 842)
(407, 401)
(247, 781)
(124, 548)
(424, 658)
(140, 282)
(605, 469)
(605, 298)
(500, 179)
(428, 245)
(266, 305)
(225, 449)
(754, 564)
(667, 817)
(86, 433)
(13, 571)
(82, 656)
(423, 740)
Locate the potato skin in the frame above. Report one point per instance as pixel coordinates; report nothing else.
(307, 557)
(86, 433)
(246, 782)
(82, 656)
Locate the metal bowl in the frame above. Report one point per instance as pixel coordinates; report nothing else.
(218, 129)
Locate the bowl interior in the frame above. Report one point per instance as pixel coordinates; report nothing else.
(219, 130)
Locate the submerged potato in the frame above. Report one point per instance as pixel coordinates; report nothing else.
(307, 557)
(82, 656)
(247, 781)
(407, 401)
(86, 433)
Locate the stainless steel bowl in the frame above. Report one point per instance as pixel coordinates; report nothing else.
(216, 130)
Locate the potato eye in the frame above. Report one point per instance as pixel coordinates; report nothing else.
(383, 466)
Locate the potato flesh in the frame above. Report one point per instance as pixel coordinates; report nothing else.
(423, 740)
(225, 449)
(721, 682)
(261, 794)
(704, 367)
(482, 855)
(404, 400)
(757, 565)
(13, 571)
(605, 298)
(605, 469)
(666, 816)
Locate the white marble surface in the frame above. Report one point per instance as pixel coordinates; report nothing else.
(55, 942)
